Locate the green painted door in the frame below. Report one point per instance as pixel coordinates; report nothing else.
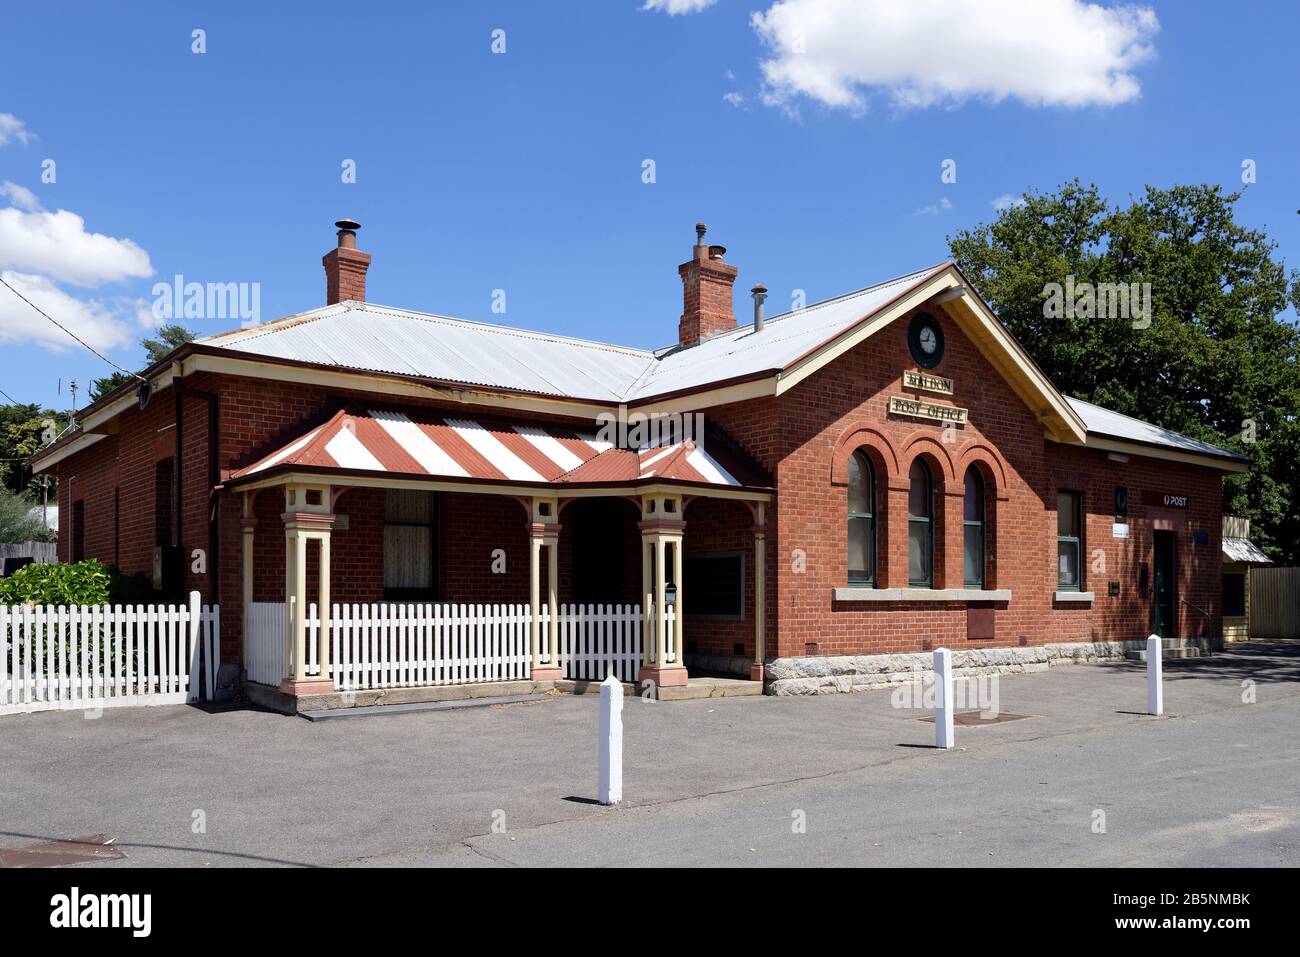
(1163, 620)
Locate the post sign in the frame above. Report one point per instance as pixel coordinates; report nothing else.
(1164, 499)
(926, 410)
(926, 382)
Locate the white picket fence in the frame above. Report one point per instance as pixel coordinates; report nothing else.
(406, 645)
(102, 656)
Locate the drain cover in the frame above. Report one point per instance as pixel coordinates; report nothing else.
(967, 719)
(75, 850)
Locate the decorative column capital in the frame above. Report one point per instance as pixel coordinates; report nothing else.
(308, 521)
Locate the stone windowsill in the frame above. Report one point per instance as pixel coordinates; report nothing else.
(1074, 596)
(922, 594)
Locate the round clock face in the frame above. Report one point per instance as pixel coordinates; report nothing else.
(925, 338)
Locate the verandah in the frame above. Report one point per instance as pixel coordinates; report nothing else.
(356, 646)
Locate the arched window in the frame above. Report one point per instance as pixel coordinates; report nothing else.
(920, 527)
(973, 529)
(862, 520)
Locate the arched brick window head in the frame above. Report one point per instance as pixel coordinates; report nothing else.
(920, 526)
(862, 520)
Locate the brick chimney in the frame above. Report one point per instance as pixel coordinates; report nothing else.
(345, 266)
(706, 292)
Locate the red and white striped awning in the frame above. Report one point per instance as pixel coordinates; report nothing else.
(423, 443)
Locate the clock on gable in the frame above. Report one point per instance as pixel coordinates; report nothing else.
(925, 339)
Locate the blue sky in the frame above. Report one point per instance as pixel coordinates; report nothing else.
(523, 170)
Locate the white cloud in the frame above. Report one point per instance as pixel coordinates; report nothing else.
(1006, 201)
(736, 99)
(103, 325)
(20, 196)
(934, 208)
(57, 245)
(675, 7)
(12, 128)
(942, 52)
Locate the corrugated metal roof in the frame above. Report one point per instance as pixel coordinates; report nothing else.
(1104, 422)
(1244, 550)
(381, 339)
(420, 442)
(396, 341)
(376, 338)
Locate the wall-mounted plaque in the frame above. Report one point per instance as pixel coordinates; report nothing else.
(926, 382)
(919, 409)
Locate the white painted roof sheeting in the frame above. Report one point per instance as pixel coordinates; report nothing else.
(1103, 422)
(1244, 550)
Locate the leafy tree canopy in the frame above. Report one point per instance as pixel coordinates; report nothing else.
(1218, 358)
(24, 429)
(168, 338)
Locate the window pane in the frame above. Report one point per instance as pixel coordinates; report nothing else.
(862, 559)
(1067, 514)
(860, 484)
(918, 553)
(974, 505)
(918, 498)
(1067, 560)
(973, 552)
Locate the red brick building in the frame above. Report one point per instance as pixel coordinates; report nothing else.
(821, 492)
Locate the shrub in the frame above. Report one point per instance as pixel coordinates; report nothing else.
(85, 583)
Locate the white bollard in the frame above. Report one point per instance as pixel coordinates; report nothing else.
(1155, 684)
(943, 698)
(609, 787)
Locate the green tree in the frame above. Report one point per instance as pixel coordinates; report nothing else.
(1218, 359)
(17, 524)
(167, 339)
(24, 429)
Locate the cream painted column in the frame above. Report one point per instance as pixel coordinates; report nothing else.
(290, 601)
(300, 605)
(661, 608)
(534, 603)
(679, 615)
(307, 518)
(760, 591)
(249, 525)
(544, 533)
(648, 603)
(661, 525)
(553, 599)
(323, 633)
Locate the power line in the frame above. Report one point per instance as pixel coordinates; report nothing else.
(9, 397)
(83, 343)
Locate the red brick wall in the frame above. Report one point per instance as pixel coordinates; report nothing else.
(805, 436)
